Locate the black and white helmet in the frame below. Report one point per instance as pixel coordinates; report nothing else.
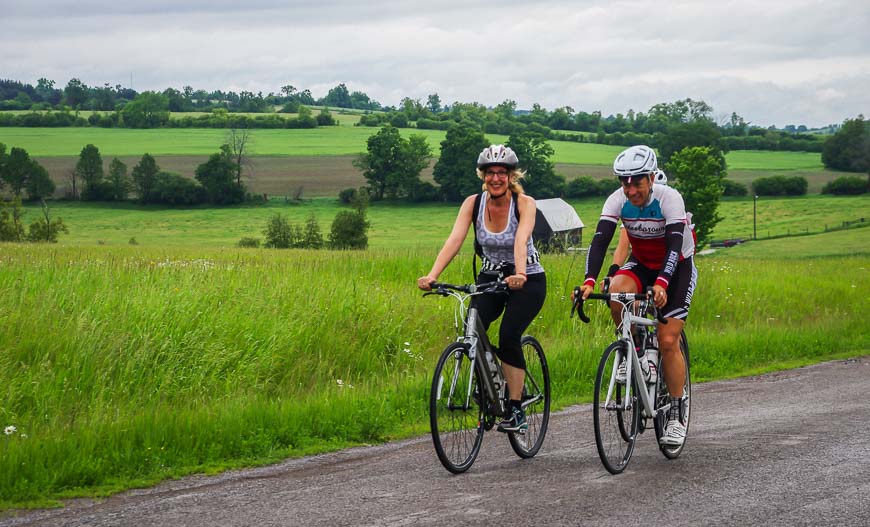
(497, 155)
(638, 160)
(660, 177)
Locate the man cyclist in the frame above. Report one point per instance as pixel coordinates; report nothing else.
(662, 249)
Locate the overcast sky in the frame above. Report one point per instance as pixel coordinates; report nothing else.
(771, 61)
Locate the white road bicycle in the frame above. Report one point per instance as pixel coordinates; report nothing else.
(622, 410)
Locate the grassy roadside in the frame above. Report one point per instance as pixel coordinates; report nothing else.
(122, 366)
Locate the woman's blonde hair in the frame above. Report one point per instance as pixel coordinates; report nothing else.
(514, 181)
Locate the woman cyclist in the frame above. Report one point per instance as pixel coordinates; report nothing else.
(503, 217)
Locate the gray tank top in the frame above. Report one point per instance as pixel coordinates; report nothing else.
(498, 247)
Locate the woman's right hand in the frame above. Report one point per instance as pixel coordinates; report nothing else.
(425, 282)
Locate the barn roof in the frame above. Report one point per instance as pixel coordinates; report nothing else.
(560, 216)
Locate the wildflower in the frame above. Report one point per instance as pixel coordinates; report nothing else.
(9, 430)
(342, 384)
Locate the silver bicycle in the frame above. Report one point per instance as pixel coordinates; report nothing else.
(469, 392)
(622, 409)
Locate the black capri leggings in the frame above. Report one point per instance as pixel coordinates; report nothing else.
(520, 307)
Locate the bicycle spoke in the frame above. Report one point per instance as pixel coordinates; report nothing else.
(455, 412)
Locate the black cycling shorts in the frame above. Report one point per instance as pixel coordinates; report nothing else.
(680, 289)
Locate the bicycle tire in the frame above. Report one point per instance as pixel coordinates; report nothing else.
(663, 397)
(615, 429)
(536, 387)
(455, 417)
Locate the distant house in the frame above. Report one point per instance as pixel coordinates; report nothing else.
(557, 226)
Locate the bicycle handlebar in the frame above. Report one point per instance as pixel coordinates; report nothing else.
(442, 288)
(611, 297)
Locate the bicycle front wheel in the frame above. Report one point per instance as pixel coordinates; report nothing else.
(536, 400)
(663, 398)
(615, 418)
(455, 409)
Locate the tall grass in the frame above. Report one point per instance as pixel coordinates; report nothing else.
(123, 366)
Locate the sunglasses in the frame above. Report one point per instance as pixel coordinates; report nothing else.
(497, 173)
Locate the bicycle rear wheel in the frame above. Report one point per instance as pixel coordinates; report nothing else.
(536, 400)
(455, 410)
(615, 423)
(663, 398)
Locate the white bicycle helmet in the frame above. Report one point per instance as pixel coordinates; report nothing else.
(497, 155)
(638, 160)
(660, 177)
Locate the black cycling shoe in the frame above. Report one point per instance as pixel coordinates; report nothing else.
(515, 421)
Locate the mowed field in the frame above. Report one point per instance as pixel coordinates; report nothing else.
(418, 226)
(320, 160)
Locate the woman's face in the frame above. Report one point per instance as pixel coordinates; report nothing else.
(497, 179)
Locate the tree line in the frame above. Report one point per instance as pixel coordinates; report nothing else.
(505, 118)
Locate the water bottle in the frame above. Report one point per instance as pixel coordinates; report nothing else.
(493, 369)
(652, 359)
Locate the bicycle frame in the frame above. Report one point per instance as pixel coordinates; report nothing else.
(633, 369)
(474, 336)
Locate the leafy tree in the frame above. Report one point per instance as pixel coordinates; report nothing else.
(75, 93)
(534, 153)
(392, 164)
(849, 148)
(699, 172)
(433, 103)
(683, 111)
(39, 184)
(89, 169)
(454, 170)
(145, 177)
(119, 180)
(17, 168)
(677, 136)
(338, 96)
(218, 178)
(147, 110)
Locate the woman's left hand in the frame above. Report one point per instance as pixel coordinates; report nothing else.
(515, 281)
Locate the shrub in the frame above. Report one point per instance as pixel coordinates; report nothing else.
(249, 241)
(349, 230)
(846, 185)
(733, 188)
(586, 186)
(279, 233)
(347, 195)
(312, 238)
(780, 186)
(175, 189)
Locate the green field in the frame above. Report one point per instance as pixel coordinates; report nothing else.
(395, 225)
(323, 141)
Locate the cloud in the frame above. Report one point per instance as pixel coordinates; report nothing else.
(774, 62)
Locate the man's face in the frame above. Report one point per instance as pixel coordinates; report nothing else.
(637, 189)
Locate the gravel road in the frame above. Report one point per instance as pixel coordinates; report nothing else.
(788, 448)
